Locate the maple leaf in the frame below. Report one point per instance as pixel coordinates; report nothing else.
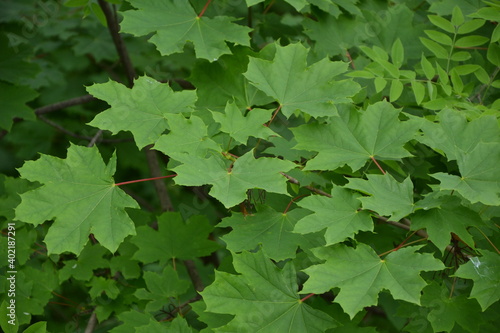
(241, 127)
(361, 274)
(161, 287)
(79, 194)
(446, 310)
(354, 137)
(298, 87)
(142, 110)
(222, 81)
(454, 136)
(485, 272)
(230, 184)
(269, 228)
(175, 23)
(479, 170)
(449, 217)
(340, 215)
(186, 136)
(263, 298)
(387, 197)
(13, 100)
(174, 239)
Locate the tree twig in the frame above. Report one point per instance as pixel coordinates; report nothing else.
(64, 104)
(92, 322)
(114, 29)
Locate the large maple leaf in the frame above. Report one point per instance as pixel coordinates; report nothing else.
(142, 110)
(230, 182)
(354, 137)
(361, 275)
(79, 194)
(174, 23)
(298, 87)
(263, 298)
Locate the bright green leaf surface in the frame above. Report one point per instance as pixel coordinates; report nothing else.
(361, 275)
(298, 87)
(485, 272)
(80, 195)
(240, 127)
(175, 23)
(142, 110)
(263, 298)
(354, 137)
(387, 197)
(230, 184)
(269, 228)
(340, 215)
(174, 239)
(186, 136)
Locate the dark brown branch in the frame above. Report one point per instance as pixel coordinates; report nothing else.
(64, 104)
(114, 29)
(194, 275)
(161, 188)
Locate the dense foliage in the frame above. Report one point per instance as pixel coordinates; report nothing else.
(249, 166)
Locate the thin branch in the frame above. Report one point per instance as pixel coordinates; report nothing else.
(95, 138)
(121, 49)
(91, 324)
(161, 188)
(64, 104)
(194, 275)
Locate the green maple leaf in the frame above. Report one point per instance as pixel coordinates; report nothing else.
(230, 184)
(174, 239)
(354, 137)
(387, 197)
(263, 298)
(241, 127)
(446, 310)
(79, 194)
(479, 170)
(100, 285)
(131, 320)
(142, 110)
(361, 274)
(222, 81)
(340, 215)
(82, 268)
(454, 136)
(161, 288)
(175, 23)
(13, 100)
(449, 217)
(485, 272)
(186, 136)
(269, 228)
(298, 87)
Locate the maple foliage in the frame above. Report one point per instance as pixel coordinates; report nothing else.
(250, 166)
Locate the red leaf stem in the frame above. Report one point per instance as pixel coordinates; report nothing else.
(204, 8)
(378, 165)
(310, 295)
(144, 180)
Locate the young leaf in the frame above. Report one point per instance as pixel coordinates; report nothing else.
(418, 90)
(439, 37)
(397, 53)
(263, 298)
(186, 136)
(361, 275)
(174, 239)
(160, 288)
(428, 68)
(396, 90)
(439, 51)
(340, 215)
(175, 23)
(298, 87)
(230, 184)
(353, 138)
(241, 127)
(269, 228)
(470, 26)
(485, 272)
(457, 18)
(387, 196)
(80, 195)
(141, 110)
